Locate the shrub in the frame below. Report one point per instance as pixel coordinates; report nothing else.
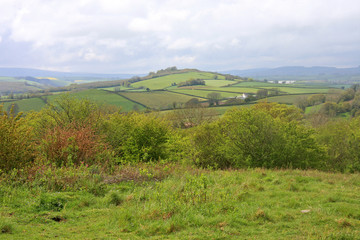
(342, 141)
(68, 132)
(254, 138)
(137, 137)
(16, 148)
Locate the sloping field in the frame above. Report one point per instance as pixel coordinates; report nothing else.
(203, 93)
(105, 97)
(236, 89)
(286, 99)
(296, 90)
(157, 99)
(26, 105)
(218, 83)
(166, 81)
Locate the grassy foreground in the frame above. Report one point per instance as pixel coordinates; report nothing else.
(176, 202)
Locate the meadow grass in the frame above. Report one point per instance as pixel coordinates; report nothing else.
(104, 97)
(286, 99)
(218, 83)
(189, 203)
(26, 105)
(203, 93)
(235, 89)
(166, 81)
(298, 90)
(158, 99)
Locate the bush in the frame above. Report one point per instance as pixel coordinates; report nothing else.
(16, 148)
(342, 141)
(137, 137)
(255, 138)
(68, 132)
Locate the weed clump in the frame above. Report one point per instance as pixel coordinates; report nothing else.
(6, 228)
(116, 199)
(51, 202)
(342, 222)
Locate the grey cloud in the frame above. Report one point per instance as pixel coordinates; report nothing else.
(140, 35)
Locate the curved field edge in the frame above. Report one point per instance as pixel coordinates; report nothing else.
(186, 203)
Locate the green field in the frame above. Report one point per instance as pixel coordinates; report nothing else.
(286, 99)
(172, 202)
(218, 83)
(313, 109)
(236, 89)
(298, 90)
(166, 81)
(203, 93)
(157, 99)
(105, 97)
(122, 88)
(26, 105)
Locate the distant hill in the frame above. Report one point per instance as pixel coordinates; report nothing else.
(300, 73)
(24, 72)
(19, 80)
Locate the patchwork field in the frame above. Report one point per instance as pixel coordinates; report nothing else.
(286, 99)
(166, 81)
(105, 97)
(298, 90)
(203, 93)
(157, 99)
(26, 105)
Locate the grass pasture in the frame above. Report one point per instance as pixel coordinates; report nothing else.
(298, 90)
(166, 81)
(236, 89)
(218, 83)
(26, 105)
(157, 99)
(104, 97)
(203, 93)
(189, 204)
(285, 99)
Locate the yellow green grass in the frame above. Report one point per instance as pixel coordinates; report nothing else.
(218, 83)
(26, 105)
(298, 90)
(286, 99)
(166, 81)
(157, 99)
(203, 93)
(189, 204)
(105, 97)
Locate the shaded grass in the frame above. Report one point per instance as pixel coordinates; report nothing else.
(194, 204)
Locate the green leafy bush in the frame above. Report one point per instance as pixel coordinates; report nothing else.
(341, 138)
(16, 145)
(256, 138)
(137, 137)
(68, 132)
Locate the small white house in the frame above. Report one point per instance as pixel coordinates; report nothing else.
(243, 96)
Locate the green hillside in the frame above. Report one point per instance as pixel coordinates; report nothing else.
(167, 81)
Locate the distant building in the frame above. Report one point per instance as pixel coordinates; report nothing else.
(243, 96)
(283, 82)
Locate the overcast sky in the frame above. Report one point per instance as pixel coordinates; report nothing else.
(138, 36)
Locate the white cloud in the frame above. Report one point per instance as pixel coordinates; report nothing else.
(221, 34)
